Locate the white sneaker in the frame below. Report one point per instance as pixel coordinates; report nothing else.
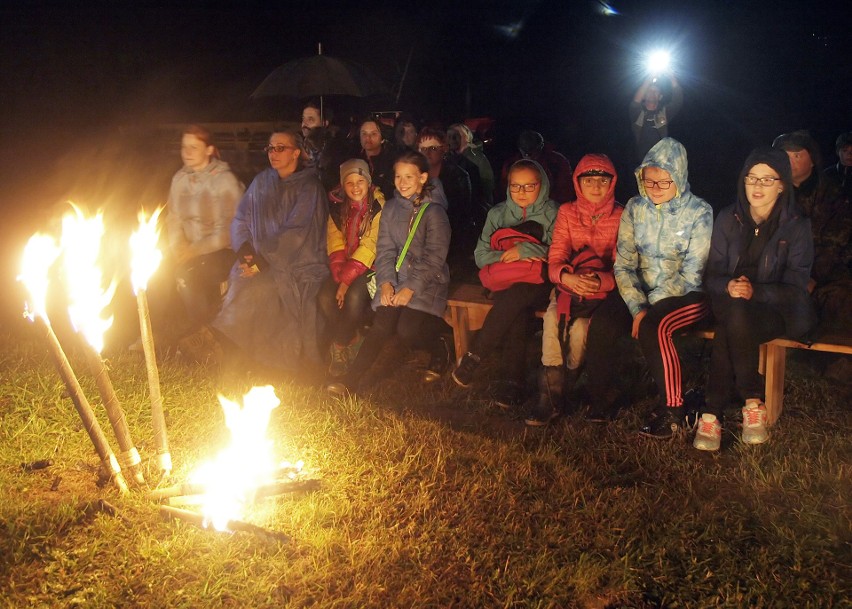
(708, 436)
(754, 423)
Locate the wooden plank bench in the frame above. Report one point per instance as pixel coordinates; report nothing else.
(468, 305)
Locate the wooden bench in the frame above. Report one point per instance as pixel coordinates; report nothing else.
(468, 305)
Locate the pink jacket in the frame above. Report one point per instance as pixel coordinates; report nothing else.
(581, 223)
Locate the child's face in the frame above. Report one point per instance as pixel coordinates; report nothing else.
(594, 188)
(408, 179)
(524, 186)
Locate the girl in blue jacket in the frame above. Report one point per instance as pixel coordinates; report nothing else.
(757, 276)
(663, 240)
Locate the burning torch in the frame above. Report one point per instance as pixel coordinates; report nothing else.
(39, 255)
(146, 258)
(81, 238)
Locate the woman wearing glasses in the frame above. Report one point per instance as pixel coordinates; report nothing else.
(662, 248)
(279, 234)
(580, 266)
(530, 213)
(757, 277)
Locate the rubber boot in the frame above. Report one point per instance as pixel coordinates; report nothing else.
(570, 401)
(551, 387)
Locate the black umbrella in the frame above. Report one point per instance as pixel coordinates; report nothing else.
(317, 76)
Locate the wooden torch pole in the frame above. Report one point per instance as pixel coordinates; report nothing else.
(84, 409)
(129, 454)
(158, 419)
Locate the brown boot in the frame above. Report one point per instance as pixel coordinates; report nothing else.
(551, 387)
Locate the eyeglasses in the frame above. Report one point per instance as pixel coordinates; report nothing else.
(425, 149)
(589, 181)
(525, 187)
(279, 148)
(765, 181)
(661, 184)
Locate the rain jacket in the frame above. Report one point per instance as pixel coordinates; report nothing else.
(353, 230)
(424, 269)
(662, 249)
(785, 263)
(583, 223)
(273, 316)
(200, 208)
(508, 214)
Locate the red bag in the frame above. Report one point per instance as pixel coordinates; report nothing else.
(499, 276)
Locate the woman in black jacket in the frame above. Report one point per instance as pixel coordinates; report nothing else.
(757, 275)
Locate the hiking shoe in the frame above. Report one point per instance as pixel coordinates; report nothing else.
(439, 362)
(508, 396)
(599, 413)
(339, 360)
(540, 416)
(708, 436)
(463, 374)
(667, 422)
(754, 423)
(354, 347)
(339, 388)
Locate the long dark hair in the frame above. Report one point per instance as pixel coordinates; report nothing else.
(412, 157)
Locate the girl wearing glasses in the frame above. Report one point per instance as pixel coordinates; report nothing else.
(412, 277)
(663, 240)
(580, 266)
(757, 277)
(529, 210)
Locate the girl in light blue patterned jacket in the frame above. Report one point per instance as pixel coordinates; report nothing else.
(663, 243)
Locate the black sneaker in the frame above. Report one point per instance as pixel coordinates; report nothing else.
(667, 423)
(439, 362)
(599, 413)
(508, 396)
(463, 374)
(540, 415)
(339, 388)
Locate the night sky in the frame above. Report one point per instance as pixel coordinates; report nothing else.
(72, 76)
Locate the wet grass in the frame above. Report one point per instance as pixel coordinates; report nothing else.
(429, 497)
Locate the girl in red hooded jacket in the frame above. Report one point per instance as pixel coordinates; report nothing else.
(580, 263)
(355, 209)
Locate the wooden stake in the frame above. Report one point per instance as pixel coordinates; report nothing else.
(158, 419)
(129, 454)
(84, 409)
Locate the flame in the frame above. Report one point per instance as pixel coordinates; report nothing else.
(143, 245)
(231, 479)
(40, 253)
(81, 240)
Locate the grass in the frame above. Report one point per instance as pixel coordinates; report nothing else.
(429, 497)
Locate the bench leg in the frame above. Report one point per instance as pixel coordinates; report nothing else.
(461, 331)
(776, 363)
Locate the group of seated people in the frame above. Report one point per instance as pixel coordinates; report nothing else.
(324, 279)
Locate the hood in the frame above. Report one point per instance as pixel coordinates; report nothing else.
(780, 162)
(214, 167)
(670, 155)
(543, 193)
(595, 162)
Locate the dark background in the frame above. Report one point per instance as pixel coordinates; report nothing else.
(82, 85)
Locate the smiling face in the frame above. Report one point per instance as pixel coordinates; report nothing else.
(594, 188)
(408, 179)
(660, 178)
(524, 178)
(762, 198)
(286, 161)
(652, 99)
(371, 138)
(355, 186)
(194, 153)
